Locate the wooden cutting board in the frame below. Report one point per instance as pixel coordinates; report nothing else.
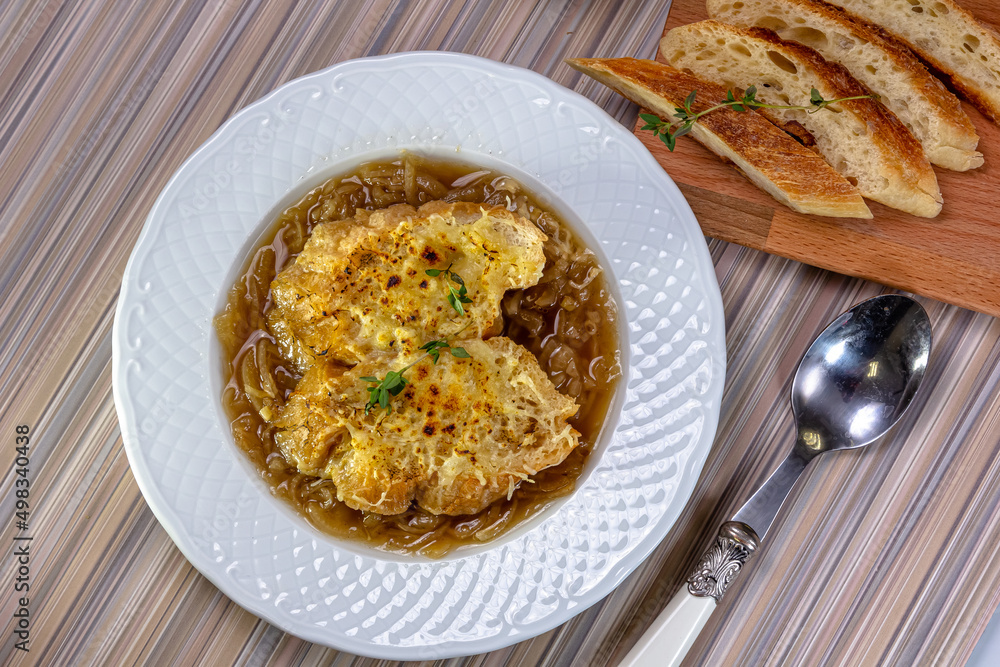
(954, 258)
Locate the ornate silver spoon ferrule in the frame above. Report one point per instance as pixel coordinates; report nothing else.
(734, 545)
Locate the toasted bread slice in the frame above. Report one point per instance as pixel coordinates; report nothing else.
(861, 138)
(931, 112)
(948, 37)
(360, 286)
(469, 430)
(773, 161)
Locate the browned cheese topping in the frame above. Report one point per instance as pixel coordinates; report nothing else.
(466, 432)
(358, 303)
(360, 285)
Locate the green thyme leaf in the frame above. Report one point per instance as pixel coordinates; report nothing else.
(391, 385)
(433, 349)
(746, 102)
(456, 302)
(690, 100)
(455, 297)
(668, 139)
(394, 382)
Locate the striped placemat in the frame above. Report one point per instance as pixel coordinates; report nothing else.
(884, 556)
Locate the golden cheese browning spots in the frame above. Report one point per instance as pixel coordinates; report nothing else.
(360, 285)
(568, 321)
(466, 433)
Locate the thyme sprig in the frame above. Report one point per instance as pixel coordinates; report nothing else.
(382, 391)
(391, 385)
(456, 297)
(669, 132)
(435, 347)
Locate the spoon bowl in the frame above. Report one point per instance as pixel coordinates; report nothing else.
(859, 375)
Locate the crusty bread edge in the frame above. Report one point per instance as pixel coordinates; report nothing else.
(922, 196)
(663, 107)
(972, 92)
(948, 110)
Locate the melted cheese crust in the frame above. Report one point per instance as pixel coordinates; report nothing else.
(463, 434)
(359, 286)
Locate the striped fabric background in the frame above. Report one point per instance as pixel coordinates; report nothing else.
(884, 556)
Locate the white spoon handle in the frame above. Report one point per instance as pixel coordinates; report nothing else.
(672, 633)
(668, 639)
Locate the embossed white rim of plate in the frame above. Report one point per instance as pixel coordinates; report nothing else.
(166, 378)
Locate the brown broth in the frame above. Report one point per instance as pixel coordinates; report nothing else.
(568, 320)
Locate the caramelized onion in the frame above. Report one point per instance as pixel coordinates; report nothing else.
(567, 321)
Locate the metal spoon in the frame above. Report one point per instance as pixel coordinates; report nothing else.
(851, 387)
